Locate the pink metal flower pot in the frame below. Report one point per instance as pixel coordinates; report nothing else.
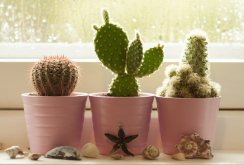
(132, 113)
(182, 116)
(54, 121)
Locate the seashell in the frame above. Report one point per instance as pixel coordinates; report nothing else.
(33, 156)
(117, 156)
(14, 151)
(179, 156)
(193, 146)
(205, 151)
(64, 152)
(90, 150)
(188, 147)
(151, 152)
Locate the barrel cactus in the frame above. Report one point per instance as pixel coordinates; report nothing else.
(126, 60)
(54, 76)
(190, 79)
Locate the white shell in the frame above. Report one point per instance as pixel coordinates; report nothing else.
(90, 150)
(151, 152)
(179, 156)
(14, 151)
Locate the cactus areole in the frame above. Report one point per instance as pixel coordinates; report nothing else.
(123, 58)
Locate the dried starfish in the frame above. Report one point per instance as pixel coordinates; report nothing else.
(121, 141)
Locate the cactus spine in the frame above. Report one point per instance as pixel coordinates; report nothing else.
(190, 79)
(54, 76)
(124, 59)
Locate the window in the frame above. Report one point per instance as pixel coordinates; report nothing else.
(70, 21)
(31, 29)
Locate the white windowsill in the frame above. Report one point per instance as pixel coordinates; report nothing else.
(228, 148)
(220, 157)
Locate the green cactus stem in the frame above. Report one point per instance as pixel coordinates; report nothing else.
(190, 78)
(196, 53)
(111, 45)
(54, 76)
(134, 55)
(128, 62)
(124, 85)
(151, 61)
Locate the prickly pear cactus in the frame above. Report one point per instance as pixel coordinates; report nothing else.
(126, 60)
(54, 76)
(190, 79)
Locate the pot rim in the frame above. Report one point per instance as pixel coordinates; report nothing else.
(101, 95)
(73, 94)
(187, 98)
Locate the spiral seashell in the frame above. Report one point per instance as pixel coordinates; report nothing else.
(151, 152)
(188, 147)
(193, 146)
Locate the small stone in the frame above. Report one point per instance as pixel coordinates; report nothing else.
(33, 156)
(151, 152)
(14, 151)
(1, 146)
(179, 156)
(90, 150)
(26, 154)
(117, 156)
(64, 152)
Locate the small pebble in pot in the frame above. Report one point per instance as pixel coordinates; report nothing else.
(90, 150)
(33, 156)
(151, 152)
(14, 151)
(179, 156)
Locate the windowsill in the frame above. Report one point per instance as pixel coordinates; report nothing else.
(228, 148)
(220, 157)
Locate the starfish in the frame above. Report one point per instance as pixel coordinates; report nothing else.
(121, 141)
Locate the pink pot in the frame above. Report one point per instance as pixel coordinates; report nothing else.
(183, 116)
(132, 113)
(54, 121)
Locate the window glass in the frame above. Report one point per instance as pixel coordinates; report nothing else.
(52, 21)
(64, 27)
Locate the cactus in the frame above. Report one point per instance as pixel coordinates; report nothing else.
(54, 76)
(190, 79)
(126, 60)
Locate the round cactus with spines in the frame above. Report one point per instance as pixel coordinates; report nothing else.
(54, 76)
(190, 79)
(123, 58)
